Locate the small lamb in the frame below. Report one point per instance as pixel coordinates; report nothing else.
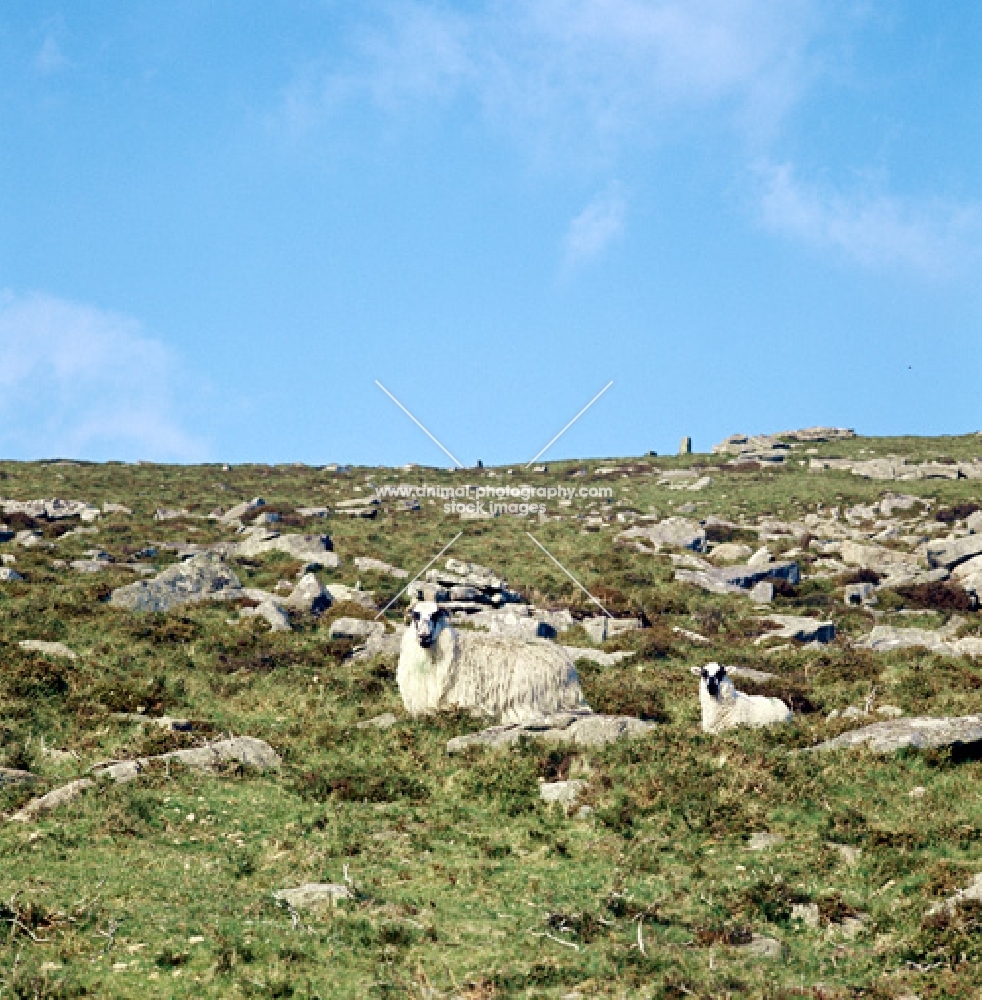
(504, 677)
(723, 707)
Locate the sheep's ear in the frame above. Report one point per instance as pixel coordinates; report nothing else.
(705, 673)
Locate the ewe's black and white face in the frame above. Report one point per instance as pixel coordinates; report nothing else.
(427, 619)
(713, 676)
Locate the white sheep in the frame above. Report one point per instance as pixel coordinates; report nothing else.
(504, 677)
(723, 707)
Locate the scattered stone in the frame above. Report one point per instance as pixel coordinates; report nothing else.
(49, 648)
(849, 854)
(170, 513)
(240, 510)
(578, 728)
(685, 448)
(246, 750)
(890, 711)
(313, 895)
(352, 595)
(762, 841)
(115, 508)
(917, 793)
(28, 539)
(8, 575)
(366, 564)
(598, 655)
(54, 799)
(383, 721)
(564, 793)
(355, 628)
(14, 776)
(799, 628)
(740, 579)
(885, 638)
(860, 595)
(761, 946)
(919, 732)
(673, 532)
(691, 636)
(972, 893)
(313, 511)
(167, 722)
(278, 619)
(807, 913)
(730, 552)
(260, 539)
(203, 577)
(762, 593)
(309, 596)
(950, 552)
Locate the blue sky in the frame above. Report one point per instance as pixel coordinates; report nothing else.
(221, 222)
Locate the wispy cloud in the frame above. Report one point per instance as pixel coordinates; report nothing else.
(50, 58)
(82, 382)
(594, 229)
(932, 237)
(580, 72)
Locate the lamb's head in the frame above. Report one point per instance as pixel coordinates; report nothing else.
(427, 619)
(713, 676)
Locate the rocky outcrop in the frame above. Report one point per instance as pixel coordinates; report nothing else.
(312, 549)
(203, 577)
(885, 638)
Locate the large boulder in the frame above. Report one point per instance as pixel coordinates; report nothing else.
(951, 552)
(879, 559)
(923, 733)
(203, 577)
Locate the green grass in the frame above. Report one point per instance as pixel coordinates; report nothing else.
(465, 883)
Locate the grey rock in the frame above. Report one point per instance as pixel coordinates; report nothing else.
(203, 577)
(14, 776)
(305, 548)
(685, 448)
(762, 841)
(598, 655)
(367, 564)
(739, 579)
(674, 532)
(8, 575)
(800, 628)
(28, 539)
(578, 728)
(278, 619)
(246, 750)
(851, 855)
(309, 596)
(921, 733)
(878, 558)
(355, 628)
(239, 510)
(762, 593)
(563, 793)
(313, 895)
(170, 514)
(48, 648)
(54, 799)
(384, 721)
(885, 638)
(115, 508)
(313, 511)
(950, 553)
(730, 552)
(860, 594)
(761, 946)
(971, 893)
(381, 644)
(339, 592)
(807, 913)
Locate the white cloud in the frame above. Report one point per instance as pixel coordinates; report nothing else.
(932, 237)
(50, 58)
(575, 73)
(594, 229)
(82, 382)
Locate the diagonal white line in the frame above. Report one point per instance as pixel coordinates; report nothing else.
(418, 575)
(567, 572)
(417, 423)
(573, 421)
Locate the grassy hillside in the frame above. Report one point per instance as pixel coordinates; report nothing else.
(466, 884)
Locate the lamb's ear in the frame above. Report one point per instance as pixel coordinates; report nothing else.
(696, 671)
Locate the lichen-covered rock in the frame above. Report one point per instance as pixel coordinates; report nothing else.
(48, 648)
(309, 595)
(312, 895)
(579, 728)
(203, 577)
(920, 732)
